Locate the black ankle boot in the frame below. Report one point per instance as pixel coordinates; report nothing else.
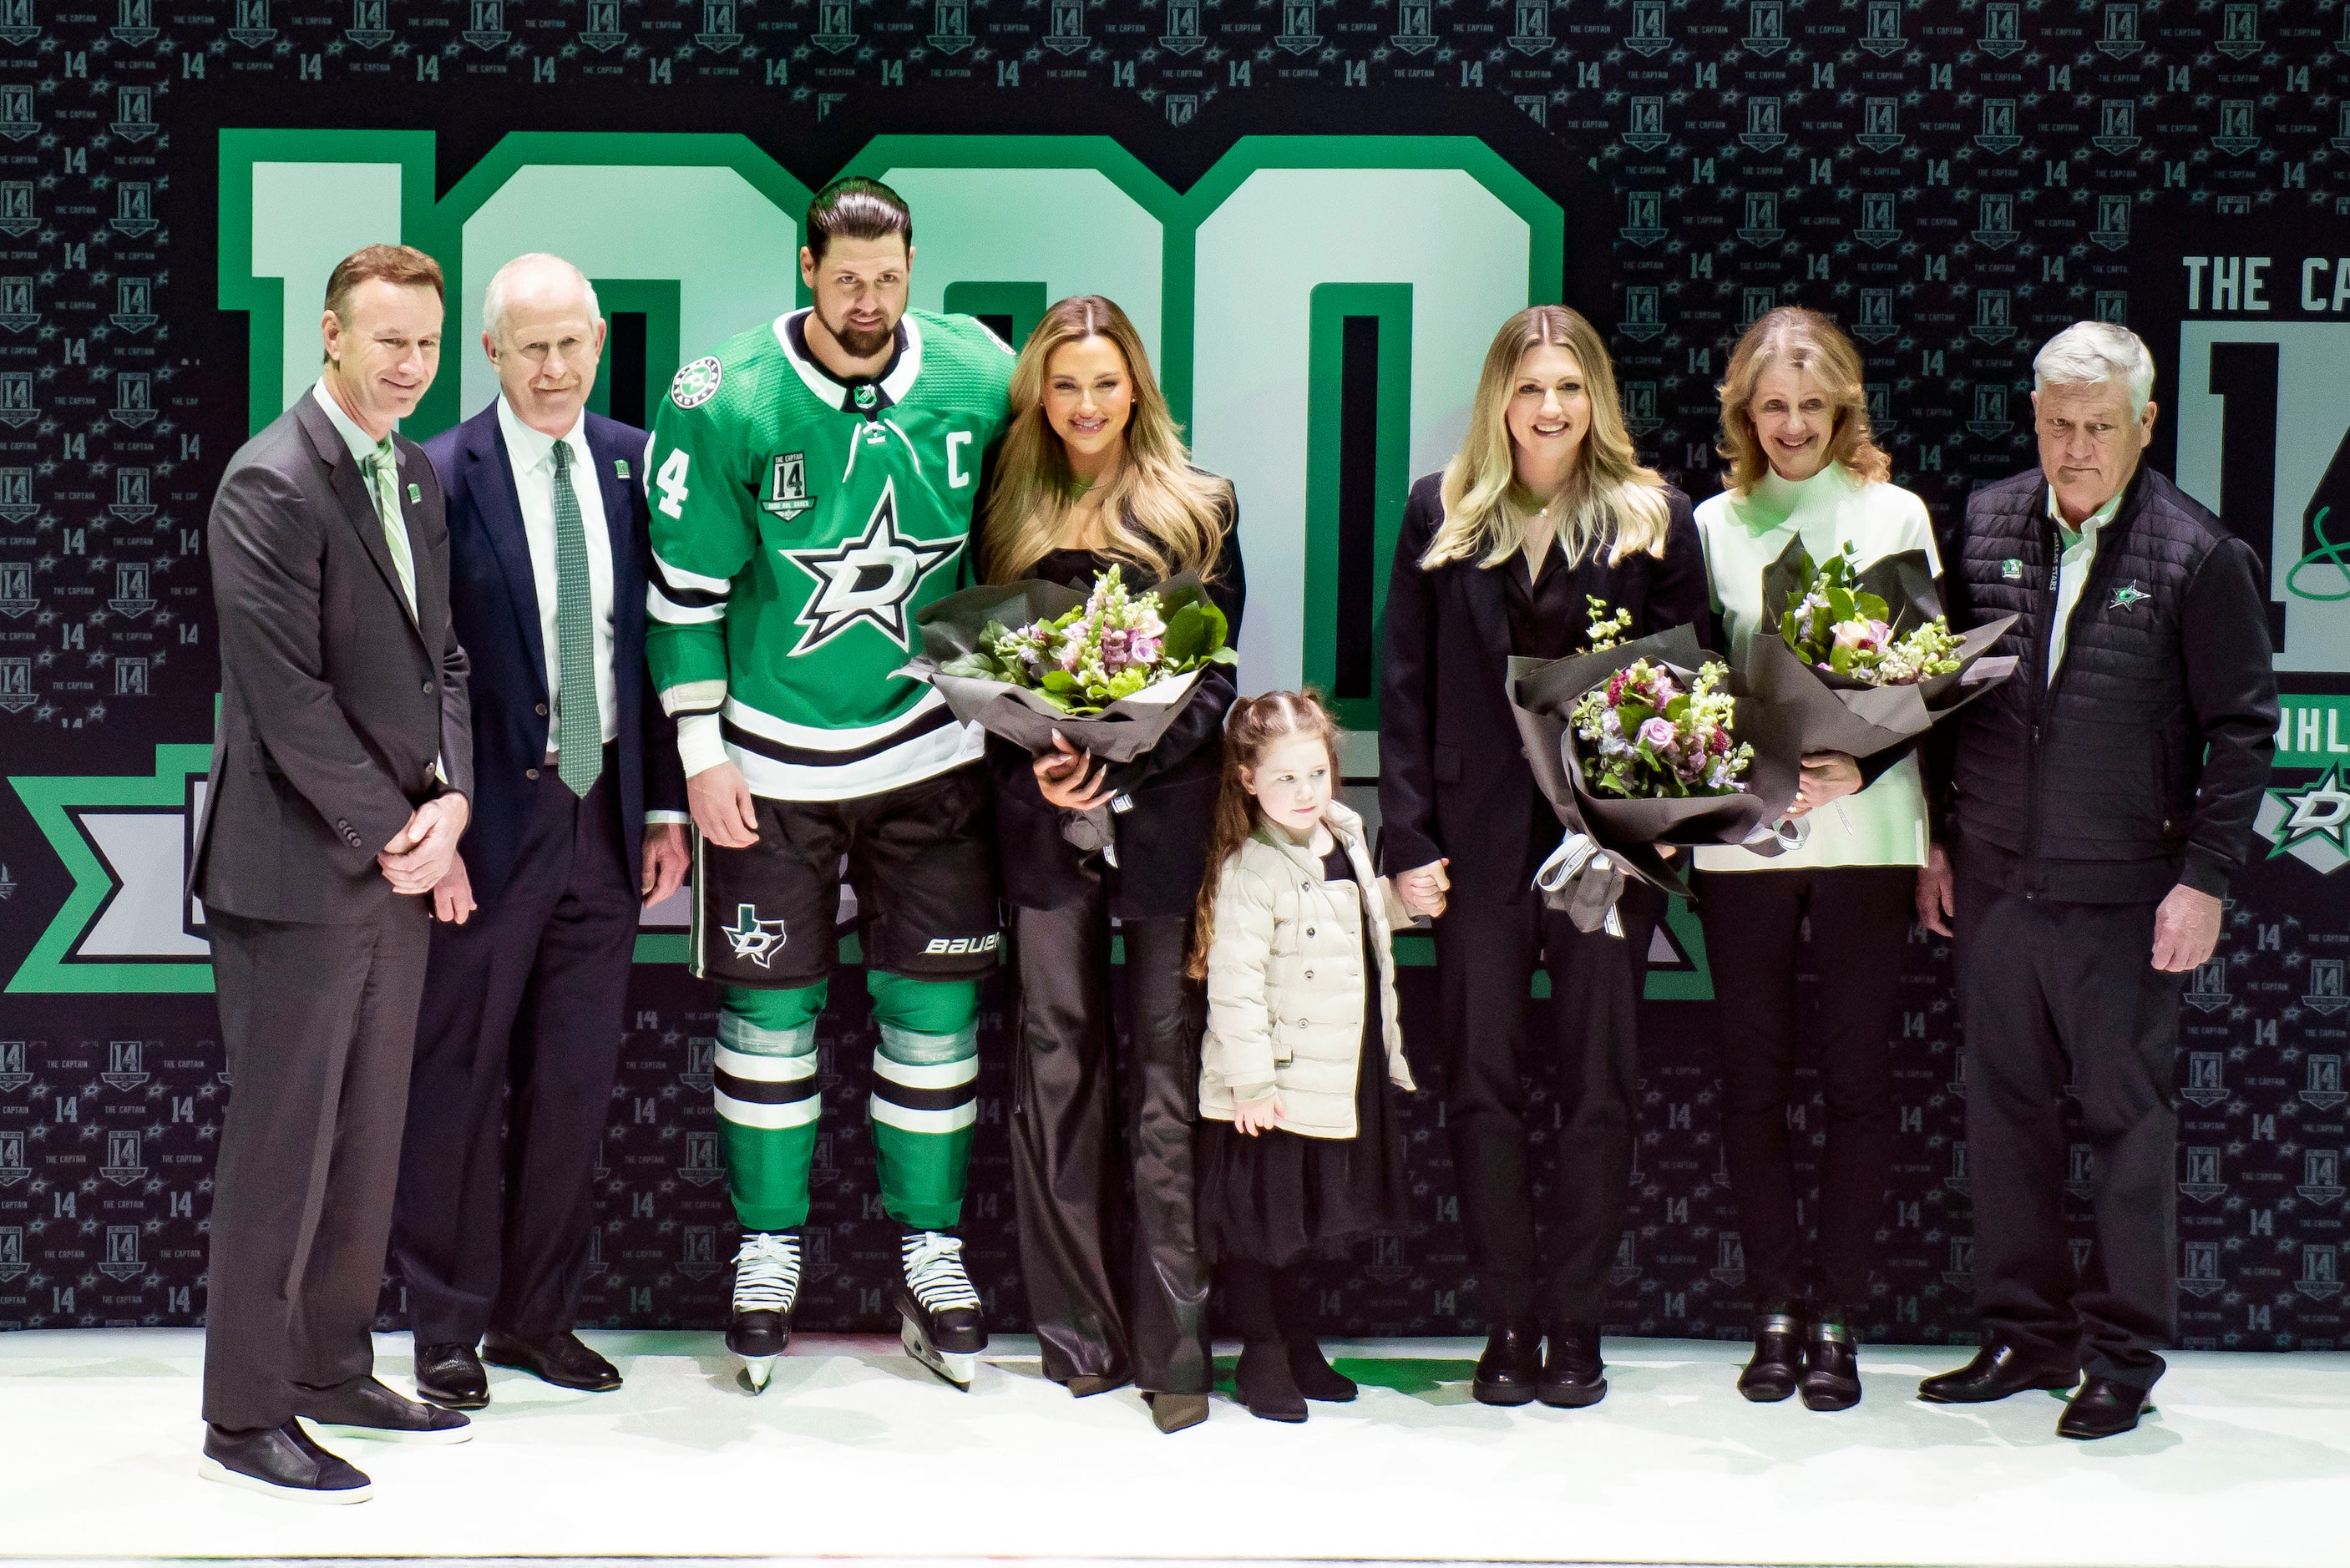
(1314, 1377)
(1510, 1366)
(1832, 1366)
(1265, 1384)
(1777, 1364)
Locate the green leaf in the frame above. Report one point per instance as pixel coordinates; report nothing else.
(1871, 605)
(1678, 708)
(1059, 680)
(1840, 660)
(1787, 630)
(1840, 606)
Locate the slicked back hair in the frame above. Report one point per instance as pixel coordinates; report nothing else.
(856, 208)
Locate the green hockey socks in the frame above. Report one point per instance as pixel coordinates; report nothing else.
(924, 1103)
(765, 1069)
(925, 1095)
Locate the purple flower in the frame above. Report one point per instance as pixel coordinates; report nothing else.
(1659, 733)
(1140, 649)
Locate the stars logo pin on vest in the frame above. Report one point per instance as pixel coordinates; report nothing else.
(2128, 597)
(2011, 570)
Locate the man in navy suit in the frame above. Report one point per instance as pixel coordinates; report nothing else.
(579, 821)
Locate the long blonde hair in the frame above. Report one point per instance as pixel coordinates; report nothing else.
(1804, 340)
(1612, 502)
(1159, 512)
(1255, 726)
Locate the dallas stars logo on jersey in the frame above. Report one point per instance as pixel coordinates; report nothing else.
(868, 578)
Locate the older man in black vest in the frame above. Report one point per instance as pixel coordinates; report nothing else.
(2096, 806)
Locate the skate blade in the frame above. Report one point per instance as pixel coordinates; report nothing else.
(957, 1367)
(756, 1370)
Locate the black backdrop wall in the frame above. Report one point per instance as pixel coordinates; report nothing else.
(1953, 181)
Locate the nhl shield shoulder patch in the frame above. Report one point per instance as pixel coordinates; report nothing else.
(695, 384)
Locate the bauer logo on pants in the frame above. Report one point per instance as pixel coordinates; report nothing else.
(944, 946)
(752, 938)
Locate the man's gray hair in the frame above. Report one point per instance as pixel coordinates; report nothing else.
(493, 299)
(2092, 351)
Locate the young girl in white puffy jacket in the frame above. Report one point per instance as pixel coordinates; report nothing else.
(1300, 1151)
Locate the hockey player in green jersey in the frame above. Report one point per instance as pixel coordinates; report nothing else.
(812, 485)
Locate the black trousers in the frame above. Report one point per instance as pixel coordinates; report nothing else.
(1588, 1031)
(2045, 986)
(1077, 1231)
(515, 1053)
(317, 1023)
(1860, 918)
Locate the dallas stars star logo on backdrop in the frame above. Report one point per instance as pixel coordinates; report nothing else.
(869, 578)
(2312, 825)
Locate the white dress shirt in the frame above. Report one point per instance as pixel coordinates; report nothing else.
(530, 455)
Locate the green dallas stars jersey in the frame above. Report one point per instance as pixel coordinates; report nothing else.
(797, 524)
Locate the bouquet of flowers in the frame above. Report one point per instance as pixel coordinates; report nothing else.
(1648, 743)
(1839, 628)
(1112, 646)
(1649, 736)
(1865, 654)
(1107, 669)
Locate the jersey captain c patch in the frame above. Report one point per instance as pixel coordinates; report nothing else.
(871, 579)
(787, 491)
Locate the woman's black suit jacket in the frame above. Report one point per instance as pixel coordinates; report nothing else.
(1162, 839)
(1453, 778)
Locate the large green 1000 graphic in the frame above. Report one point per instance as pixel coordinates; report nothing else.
(1292, 261)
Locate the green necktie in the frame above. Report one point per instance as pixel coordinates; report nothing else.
(579, 728)
(383, 484)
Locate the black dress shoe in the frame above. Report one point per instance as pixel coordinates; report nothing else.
(1264, 1383)
(451, 1376)
(1510, 1366)
(1831, 1368)
(1086, 1385)
(1778, 1360)
(2103, 1408)
(1572, 1374)
(281, 1461)
(1315, 1377)
(558, 1358)
(1997, 1371)
(368, 1409)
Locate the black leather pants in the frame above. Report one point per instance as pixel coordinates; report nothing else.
(1079, 1228)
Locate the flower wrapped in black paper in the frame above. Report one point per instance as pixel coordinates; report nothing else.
(1864, 654)
(1107, 669)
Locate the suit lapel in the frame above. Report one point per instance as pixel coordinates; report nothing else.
(614, 492)
(1483, 587)
(500, 506)
(350, 487)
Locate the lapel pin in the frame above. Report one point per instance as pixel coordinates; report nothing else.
(619, 468)
(415, 493)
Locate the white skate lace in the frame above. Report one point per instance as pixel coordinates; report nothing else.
(766, 1273)
(933, 1264)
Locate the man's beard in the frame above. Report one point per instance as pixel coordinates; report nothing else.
(860, 344)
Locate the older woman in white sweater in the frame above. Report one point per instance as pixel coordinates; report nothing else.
(1803, 463)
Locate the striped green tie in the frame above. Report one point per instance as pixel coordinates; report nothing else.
(579, 731)
(383, 487)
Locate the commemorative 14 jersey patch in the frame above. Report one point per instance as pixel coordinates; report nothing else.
(787, 491)
(871, 579)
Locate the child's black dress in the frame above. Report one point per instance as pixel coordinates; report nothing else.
(1278, 1197)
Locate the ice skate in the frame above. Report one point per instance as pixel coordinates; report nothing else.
(766, 1286)
(938, 1311)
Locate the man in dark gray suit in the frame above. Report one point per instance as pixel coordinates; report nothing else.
(340, 780)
